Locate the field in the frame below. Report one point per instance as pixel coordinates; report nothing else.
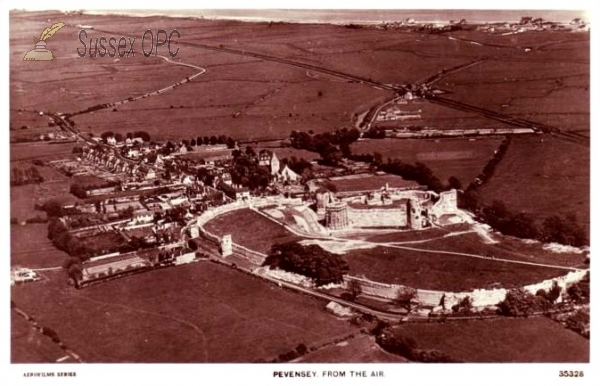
(553, 178)
(501, 340)
(549, 84)
(250, 229)
(252, 98)
(461, 158)
(29, 247)
(196, 313)
(434, 271)
(23, 198)
(40, 150)
(28, 345)
(361, 349)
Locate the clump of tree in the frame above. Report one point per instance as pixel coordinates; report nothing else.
(330, 146)
(554, 229)
(579, 292)
(62, 239)
(74, 270)
(308, 260)
(396, 343)
(375, 133)
(405, 298)
(213, 140)
(139, 134)
(464, 307)
(519, 302)
(246, 171)
(579, 322)
(23, 176)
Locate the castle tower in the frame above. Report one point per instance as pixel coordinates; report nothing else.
(226, 246)
(415, 220)
(323, 199)
(336, 215)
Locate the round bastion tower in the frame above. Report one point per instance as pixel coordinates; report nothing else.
(336, 215)
(415, 221)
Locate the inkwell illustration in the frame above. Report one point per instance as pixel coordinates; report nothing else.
(40, 52)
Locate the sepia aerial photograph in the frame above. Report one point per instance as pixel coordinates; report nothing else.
(272, 186)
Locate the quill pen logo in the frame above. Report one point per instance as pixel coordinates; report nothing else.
(41, 52)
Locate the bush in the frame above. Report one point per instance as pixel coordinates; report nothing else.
(37, 220)
(301, 349)
(396, 344)
(432, 356)
(50, 333)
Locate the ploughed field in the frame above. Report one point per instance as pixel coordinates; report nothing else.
(200, 312)
(253, 98)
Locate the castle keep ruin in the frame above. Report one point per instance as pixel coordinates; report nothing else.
(358, 202)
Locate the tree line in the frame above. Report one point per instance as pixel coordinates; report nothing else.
(553, 229)
(21, 176)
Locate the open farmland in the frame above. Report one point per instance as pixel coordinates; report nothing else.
(543, 176)
(40, 150)
(361, 349)
(28, 345)
(250, 229)
(436, 271)
(31, 248)
(25, 197)
(540, 85)
(196, 313)
(501, 340)
(461, 158)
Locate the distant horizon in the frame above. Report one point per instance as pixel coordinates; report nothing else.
(366, 16)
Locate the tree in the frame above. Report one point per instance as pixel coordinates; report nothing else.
(78, 191)
(454, 183)
(405, 298)
(119, 137)
(192, 142)
(554, 292)
(519, 302)
(213, 140)
(75, 272)
(354, 288)
(107, 134)
(250, 151)
(464, 306)
(230, 143)
(143, 135)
